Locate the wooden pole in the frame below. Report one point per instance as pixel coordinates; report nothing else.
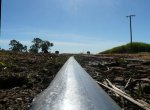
(130, 18)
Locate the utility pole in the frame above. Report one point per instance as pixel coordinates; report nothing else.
(130, 18)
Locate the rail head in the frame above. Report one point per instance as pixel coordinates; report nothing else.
(73, 89)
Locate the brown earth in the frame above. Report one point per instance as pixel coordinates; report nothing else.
(24, 75)
(119, 69)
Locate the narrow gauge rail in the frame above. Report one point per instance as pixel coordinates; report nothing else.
(73, 89)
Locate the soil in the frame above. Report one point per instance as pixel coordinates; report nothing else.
(119, 69)
(24, 75)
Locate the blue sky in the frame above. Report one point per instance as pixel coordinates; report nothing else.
(75, 26)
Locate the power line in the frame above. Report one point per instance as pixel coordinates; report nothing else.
(130, 18)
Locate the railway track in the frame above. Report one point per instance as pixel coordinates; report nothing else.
(73, 89)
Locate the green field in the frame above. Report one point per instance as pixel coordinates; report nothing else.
(137, 47)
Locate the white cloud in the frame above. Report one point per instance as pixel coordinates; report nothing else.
(66, 42)
(5, 42)
(93, 46)
(43, 34)
(72, 47)
(71, 44)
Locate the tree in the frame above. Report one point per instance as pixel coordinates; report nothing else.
(17, 46)
(25, 48)
(88, 52)
(40, 44)
(57, 52)
(36, 46)
(33, 49)
(45, 46)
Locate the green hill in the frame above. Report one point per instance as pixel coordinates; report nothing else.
(137, 47)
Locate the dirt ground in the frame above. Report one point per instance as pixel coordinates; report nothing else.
(24, 75)
(120, 69)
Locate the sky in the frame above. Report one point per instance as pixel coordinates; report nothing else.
(75, 26)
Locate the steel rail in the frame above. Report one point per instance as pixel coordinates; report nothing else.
(73, 89)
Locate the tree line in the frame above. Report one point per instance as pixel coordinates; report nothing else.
(37, 44)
